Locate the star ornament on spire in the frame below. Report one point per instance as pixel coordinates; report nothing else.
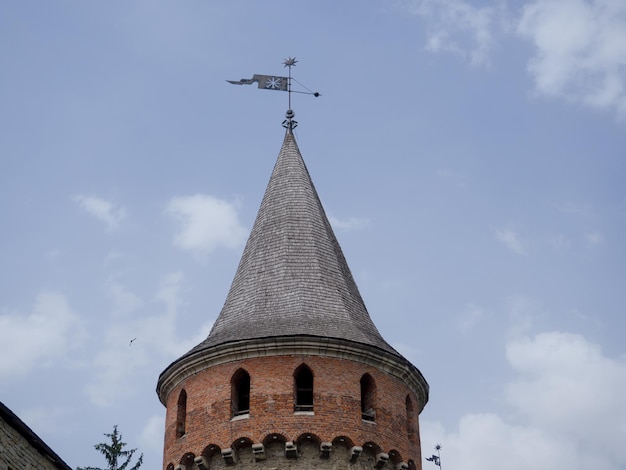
(290, 62)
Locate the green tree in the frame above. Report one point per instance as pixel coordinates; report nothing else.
(114, 453)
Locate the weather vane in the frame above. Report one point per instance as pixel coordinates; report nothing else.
(273, 82)
(436, 459)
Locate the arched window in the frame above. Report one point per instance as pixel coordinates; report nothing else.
(303, 378)
(410, 420)
(240, 393)
(368, 398)
(181, 414)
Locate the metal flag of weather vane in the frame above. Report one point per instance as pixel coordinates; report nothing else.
(274, 82)
(436, 459)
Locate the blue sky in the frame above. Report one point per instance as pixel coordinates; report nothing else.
(471, 157)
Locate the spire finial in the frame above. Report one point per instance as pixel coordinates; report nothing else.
(289, 123)
(289, 62)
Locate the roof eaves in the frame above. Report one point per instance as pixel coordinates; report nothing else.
(33, 439)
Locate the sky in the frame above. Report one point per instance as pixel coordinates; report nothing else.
(471, 156)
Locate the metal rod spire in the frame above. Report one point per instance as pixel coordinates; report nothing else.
(291, 124)
(289, 63)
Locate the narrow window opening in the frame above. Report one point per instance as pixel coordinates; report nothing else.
(304, 389)
(181, 414)
(368, 398)
(410, 420)
(240, 393)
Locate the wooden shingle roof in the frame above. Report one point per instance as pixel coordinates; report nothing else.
(293, 279)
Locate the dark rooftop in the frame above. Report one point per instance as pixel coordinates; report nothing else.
(33, 439)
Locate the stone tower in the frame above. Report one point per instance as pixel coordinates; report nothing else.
(294, 374)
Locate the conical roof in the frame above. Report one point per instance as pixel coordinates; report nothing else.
(293, 279)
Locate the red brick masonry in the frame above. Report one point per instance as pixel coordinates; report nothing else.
(337, 408)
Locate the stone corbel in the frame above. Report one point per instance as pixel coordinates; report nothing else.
(381, 460)
(202, 463)
(229, 456)
(258, 450)
(355, 452)
(325, 448)
(291, 451)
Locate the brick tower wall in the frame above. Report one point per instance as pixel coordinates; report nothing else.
(336, 418)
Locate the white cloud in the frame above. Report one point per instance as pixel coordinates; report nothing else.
(163, 328)
(485, 440)
(511, 239)
(151, 437)
(53, 254)
(580, 45)
(107, 212)
(580, 50)
(112, 257)
(583, 210)
(120, 366)
(568, 407)
(205, 223)
(113, 367)
(472, 315)
(565, 381)
(45, 419)
(560, 242)
(124, 301)
(458, 26)
(522, 312)
(169, 292)
(39, 338)
(351, 223)
(457, 179)
(411, 352)
(594, 238)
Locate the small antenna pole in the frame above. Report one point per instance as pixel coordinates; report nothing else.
(289, 83)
